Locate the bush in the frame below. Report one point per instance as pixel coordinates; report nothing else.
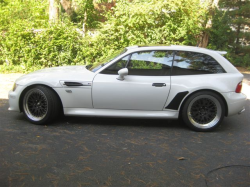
(54, 46)
(128, 23)
(154, 22)
(148, 22)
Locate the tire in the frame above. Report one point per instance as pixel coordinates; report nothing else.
(203, 111)
(40, 105)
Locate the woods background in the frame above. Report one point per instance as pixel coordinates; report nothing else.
(44, 33)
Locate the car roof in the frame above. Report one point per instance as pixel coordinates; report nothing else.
(172, 47)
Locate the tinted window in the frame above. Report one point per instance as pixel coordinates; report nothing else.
(150, 63)
(191, 63)
(99, 65)
(114, 68)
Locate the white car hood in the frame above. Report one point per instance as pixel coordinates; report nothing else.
(53, 76)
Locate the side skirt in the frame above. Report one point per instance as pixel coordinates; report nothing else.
(120, 113)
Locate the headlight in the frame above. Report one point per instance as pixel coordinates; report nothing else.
(14, 87)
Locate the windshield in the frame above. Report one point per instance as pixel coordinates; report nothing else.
(96, 66)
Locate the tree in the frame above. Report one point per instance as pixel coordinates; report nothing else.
(220, 34)
(53, 10)
(83, 12)
(154, 22)
(204, 38)
(67, 6)
(239, 14)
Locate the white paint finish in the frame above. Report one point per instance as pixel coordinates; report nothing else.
(120, 113)
(78, 98)
(52, 76)
(133, 93)
(14, 98)
(222, 83)
(235, 102)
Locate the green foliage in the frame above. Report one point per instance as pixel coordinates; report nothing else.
(221, 34)
(18, 19)
(25, 13)
(153, 22)
(85, 13)
(227, 31)
(148, 22)
(29, 42)
(239, 60)
(54, 46)
(239, 15)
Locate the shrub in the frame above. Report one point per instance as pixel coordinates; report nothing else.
(54, 46)
(128, 23)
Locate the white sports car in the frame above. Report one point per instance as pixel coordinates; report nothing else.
(195, 84)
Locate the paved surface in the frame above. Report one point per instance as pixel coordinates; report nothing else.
(246, 79)
(122, 152)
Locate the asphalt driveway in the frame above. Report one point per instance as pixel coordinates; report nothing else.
(122, 152)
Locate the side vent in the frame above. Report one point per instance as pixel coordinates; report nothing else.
(175, 103)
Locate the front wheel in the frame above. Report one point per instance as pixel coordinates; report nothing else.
(40, 105)
(203, 111)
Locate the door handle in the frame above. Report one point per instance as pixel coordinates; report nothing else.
(158, 84)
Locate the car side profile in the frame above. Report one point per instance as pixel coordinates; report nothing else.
(194, 84)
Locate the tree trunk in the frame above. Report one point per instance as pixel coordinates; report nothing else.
(215, 3)
(84, 25)
(67, 6)
(204, 39)
(237, 39)
(53, 10)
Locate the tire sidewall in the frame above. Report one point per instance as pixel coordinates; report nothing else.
(184, 112)
(50, 104)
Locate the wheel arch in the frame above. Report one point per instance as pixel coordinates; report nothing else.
(219, 94)
(33, 85)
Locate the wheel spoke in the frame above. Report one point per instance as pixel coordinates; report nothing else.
(37, 104)
(203, 111)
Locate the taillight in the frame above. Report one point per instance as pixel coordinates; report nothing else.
(239, 87)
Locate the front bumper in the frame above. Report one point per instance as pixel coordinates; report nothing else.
(14, 98)
(235, 102)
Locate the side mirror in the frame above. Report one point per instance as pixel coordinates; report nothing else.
(122, 72)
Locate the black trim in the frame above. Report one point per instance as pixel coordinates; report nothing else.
(175, 103)
(73, 84)
(128, 60)
(174, 53)
(158, 84)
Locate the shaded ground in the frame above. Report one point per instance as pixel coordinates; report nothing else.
(122, 152)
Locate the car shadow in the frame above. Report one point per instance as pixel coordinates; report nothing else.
(123, 121)
(74, 120)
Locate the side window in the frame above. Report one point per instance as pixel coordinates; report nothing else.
(114, 68)
(150, 63)
(192, 63)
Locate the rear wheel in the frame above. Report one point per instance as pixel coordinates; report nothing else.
(40, 105)
(203, 111)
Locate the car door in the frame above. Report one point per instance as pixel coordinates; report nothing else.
(146, 87)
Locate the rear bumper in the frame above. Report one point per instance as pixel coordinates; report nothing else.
(235, 102)
(243, 110)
